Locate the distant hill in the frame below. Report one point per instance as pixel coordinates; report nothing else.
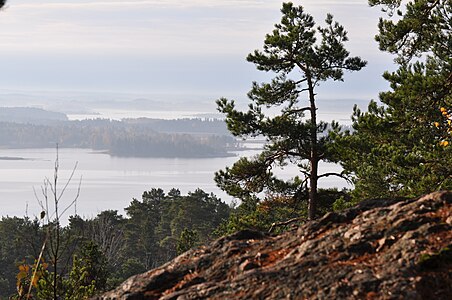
(30, 115)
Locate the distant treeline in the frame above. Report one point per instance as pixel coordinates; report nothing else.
(140, 138)
(30, 115)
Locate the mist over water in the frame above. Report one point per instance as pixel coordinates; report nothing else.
(116, 106)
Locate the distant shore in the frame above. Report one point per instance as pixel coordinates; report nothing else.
(12, 158)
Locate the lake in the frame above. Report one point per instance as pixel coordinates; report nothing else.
(108, 182)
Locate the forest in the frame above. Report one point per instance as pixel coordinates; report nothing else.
(109, 248)
(187, 138)
(400, 147)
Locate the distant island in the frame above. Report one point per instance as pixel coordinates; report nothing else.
(143, 137)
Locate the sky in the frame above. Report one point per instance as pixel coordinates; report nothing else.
(170, 47)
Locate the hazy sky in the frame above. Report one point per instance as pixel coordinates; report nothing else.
(164, 46)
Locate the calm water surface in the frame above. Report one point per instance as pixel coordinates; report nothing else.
(108, 182)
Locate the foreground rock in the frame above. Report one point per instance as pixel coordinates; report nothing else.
(382, 249)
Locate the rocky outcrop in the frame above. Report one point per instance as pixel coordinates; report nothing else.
(381, 249)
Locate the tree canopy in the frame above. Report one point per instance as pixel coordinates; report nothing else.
(302, 56)
(399, 148)
(98, 253)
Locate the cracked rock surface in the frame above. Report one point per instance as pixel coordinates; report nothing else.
(381, 249)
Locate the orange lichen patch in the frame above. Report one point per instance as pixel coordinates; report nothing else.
(154, 272)
(187, 280)
(372, 296)
(364, 260)
(268, 259)
(332, 257)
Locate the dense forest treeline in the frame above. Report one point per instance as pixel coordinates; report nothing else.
(155, 229)
(132, 137)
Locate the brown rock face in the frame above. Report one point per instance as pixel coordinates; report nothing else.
(382, 249)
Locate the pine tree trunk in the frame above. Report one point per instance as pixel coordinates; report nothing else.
(314, 157)
(312, 205)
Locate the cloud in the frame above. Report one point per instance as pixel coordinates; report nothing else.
(144, 3)
(173, 31)
(148, 26)
(159, 27)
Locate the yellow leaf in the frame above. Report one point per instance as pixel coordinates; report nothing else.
(24, 268)
(444, 143)
(436, 124)
(442, 109)
(21, 275)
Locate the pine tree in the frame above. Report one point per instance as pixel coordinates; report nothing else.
(398, 148)
(302, 56)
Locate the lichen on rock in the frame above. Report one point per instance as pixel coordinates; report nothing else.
(380, 249)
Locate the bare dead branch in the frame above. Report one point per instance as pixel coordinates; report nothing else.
(285, 223)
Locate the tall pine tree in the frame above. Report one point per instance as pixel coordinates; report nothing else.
(302, 56)
(398, 149)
